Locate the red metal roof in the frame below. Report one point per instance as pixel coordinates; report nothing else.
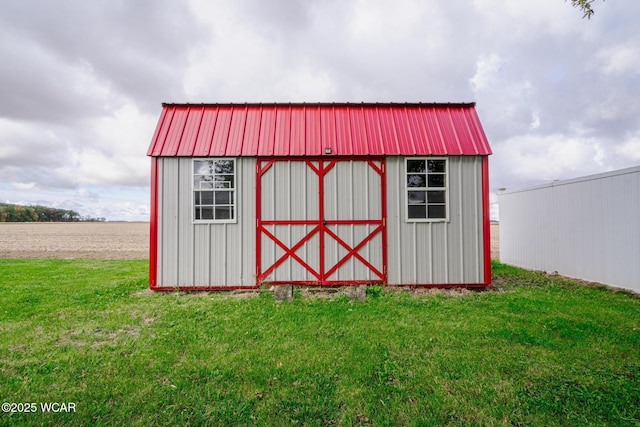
(211, 130)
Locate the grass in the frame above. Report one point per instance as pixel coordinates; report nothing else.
(536, 350)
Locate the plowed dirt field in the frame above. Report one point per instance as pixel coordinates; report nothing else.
(109, 240)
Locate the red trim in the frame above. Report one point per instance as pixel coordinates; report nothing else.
(440, 285)
(205, 288)
(153, 225)
(486, 230)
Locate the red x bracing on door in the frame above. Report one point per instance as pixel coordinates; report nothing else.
(321, 221)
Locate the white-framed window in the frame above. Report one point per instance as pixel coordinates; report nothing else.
(426, 183)
(214, 190)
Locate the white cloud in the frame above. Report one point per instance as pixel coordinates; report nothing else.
(630, 149)
(536, 159)
(488, 69)
(620, 59)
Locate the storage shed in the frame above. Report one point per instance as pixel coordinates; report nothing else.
(319, 194)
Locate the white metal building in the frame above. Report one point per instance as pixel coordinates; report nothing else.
(587, 228)
(319, 194)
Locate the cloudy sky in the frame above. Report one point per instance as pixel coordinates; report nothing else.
(82, 81)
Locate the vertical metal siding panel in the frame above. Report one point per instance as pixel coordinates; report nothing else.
(312, 249)
(160, 220)
(247, 222)
(471, 225)
(331, 247)
(185, 224)
(201, 254)
(394, 193)
(169, 222)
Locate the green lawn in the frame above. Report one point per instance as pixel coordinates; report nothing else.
(533, 351)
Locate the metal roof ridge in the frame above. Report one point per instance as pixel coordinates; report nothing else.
(319, 104)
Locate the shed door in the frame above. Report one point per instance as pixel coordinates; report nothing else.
(320, 221)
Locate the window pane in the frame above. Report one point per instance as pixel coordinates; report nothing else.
(203, 167)
(436, 180)
(416, 181)
(437, 211)
(435, 196)
(224, 181)
(202, 181)
(415, 166)
(417, 211)
(223, 198)
(417, 197)
(224, 166)
(436, 165)
(224, 213)
(205, 213)
(204, 198)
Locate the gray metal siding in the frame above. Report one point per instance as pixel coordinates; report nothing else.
(586, 228)
(431, 253)
(203, 254)
(423, 253)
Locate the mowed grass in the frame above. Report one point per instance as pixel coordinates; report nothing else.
(535, 350)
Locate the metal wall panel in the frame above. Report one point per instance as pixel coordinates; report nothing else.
(437, 253)
(204, 255)
(585, 228)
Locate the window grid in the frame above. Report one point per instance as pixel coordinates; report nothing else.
(214, 198)
(426, 184)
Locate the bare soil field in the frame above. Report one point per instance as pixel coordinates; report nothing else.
(495, 240)
(108, 240)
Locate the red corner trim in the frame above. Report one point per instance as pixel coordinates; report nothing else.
(153, 225)
(486, 230)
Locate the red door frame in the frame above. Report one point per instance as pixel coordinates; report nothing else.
(324, 165)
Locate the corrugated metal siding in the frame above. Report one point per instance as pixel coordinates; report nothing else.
(224, 254)
(307, 129)
(586, 228)
(203, 254)
(423, 253)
